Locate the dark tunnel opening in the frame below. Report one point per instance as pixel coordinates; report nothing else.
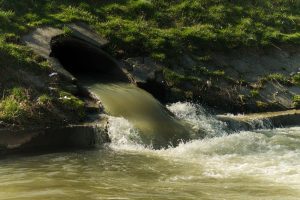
(83, 59)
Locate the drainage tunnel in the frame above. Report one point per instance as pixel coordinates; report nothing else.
(82, 58)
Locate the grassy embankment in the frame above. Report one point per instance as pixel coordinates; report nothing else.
(163, 30)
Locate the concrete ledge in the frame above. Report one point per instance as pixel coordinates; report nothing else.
(262, 120)
(73, 136)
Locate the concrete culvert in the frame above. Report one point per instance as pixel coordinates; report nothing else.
(81, 58)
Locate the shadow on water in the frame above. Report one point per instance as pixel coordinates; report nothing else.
(101, 74)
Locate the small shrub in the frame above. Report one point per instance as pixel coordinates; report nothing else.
(262, 105)
(296, 79)
(72, 103)
(14, 105)
(67, 30)
(20, 94)
(172, 77)
(218, 73)
(296, 100)
(10, 109)
(254, 93)
(205, 58)
(6, 16)
(44, 100)
(11, 38)
(279, 78)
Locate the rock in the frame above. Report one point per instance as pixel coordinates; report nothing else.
(143, 69)
(275, 92)
(261, 120)
(253, 63)
(84, 32)
(148, 75)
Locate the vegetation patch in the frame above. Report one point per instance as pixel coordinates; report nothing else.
(72, 103)
(296, 79)
(254, 93)
(164, 28)
(279, 78)
(15, 105)
(296, 100)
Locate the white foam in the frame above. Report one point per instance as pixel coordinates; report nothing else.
(198, 118)
(122, 132)
(270, 154)
(123, 135)
(267, 155)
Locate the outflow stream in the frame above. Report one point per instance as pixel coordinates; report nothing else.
(157, 127)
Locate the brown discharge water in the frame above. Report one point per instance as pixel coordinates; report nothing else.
(157, 126)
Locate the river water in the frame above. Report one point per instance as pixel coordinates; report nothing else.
(260, 164)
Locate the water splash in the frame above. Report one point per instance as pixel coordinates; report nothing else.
(203, 123)
(271, 154)
(123, 135)
(241, 122)
(260, 124)
(157, 127)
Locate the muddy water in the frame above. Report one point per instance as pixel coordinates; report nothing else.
(262, 164)
(157, 126)
(248, 165)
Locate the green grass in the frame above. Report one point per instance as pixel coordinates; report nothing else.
(14, 105)
(174, 78)
(45, 100)
(296, 79)
(164, 28)
(72, 103)
(280, 78)
(254, 93)
(262, 105)
(296, 100)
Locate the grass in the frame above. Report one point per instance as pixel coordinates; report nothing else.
(14, 105)
(296, 79)
(174, 78)
(164, 28)
(72, 103)
(278, 77)
(45, 100)
(296, 100)
(254, 93)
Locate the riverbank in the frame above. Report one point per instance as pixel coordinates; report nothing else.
(206, 57)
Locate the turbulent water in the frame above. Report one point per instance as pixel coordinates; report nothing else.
(157, 127)
(261, 164)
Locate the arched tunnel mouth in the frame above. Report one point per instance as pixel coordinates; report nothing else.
(83, 59)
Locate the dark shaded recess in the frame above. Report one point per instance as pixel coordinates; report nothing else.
(83, 59)
(51, 140)
(158, 90)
